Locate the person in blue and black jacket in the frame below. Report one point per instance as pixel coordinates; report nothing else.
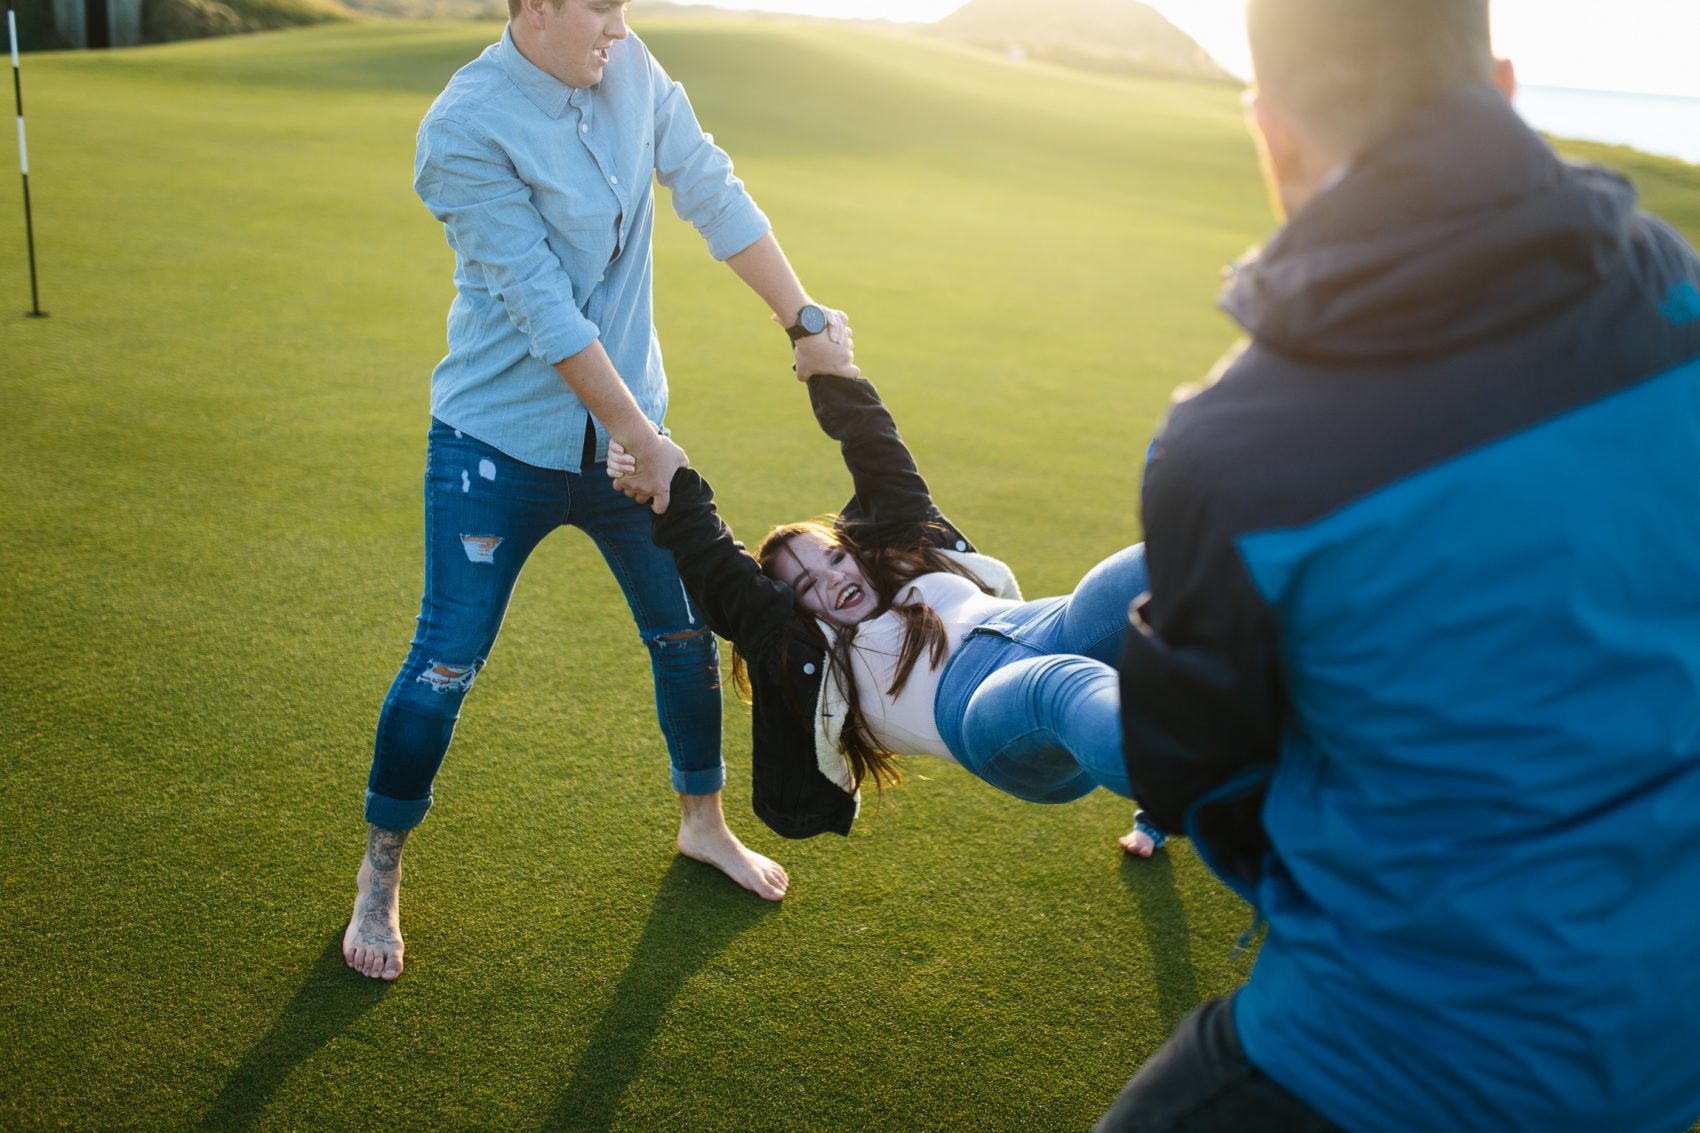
(1419, 671)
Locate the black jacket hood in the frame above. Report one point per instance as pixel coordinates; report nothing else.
(1462, 227)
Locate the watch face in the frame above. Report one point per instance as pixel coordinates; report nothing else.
(812, 319)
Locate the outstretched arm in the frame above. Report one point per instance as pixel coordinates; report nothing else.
(892, 503)
(705, 192)
(889, 488)
(724, 581)
(591, 377)
(765, 270)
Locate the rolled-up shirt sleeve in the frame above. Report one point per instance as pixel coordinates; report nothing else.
(487, 212)
(699, 174)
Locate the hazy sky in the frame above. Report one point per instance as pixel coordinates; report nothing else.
(1651, 46)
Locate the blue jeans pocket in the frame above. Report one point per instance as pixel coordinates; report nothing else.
(1034, 769)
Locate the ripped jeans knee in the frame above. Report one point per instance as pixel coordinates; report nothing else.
(415, 726)
(678, 638)
(686, 666)
(688, 654)
(449, 676)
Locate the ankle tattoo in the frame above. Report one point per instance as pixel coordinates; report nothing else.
(383, 848)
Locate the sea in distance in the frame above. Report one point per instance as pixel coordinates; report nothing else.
(1655, 123)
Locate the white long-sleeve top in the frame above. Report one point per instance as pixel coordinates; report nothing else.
(904, 724)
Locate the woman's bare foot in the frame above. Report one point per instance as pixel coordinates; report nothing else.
(372, 944)
(705, 837)
(1144, 839)
(1138, 842)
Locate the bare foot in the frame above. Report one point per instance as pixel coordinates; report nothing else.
(1137, 841)
(372, 944)
(1144, 839)
(705, 837)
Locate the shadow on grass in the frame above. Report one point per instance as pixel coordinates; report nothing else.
(330, 999)
(697, 913)
(1152, 883)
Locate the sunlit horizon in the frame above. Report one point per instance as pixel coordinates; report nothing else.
(1641, 46)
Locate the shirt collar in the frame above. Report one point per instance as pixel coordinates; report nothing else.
(550, 94)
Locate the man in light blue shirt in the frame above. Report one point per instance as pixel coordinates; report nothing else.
(539, 158)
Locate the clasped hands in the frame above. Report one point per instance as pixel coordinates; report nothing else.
(830, 352)
(644, 472)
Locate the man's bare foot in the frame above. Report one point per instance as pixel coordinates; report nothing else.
(705, 837)
(372, 944)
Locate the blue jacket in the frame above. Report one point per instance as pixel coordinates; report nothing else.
(1420, 667)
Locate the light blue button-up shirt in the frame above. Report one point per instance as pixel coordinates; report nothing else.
(546, 193)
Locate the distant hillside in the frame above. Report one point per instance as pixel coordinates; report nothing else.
(1117, 37)
(40, 26)
(498, 10)
(167, 20)
(431, 9)
(1120, 37)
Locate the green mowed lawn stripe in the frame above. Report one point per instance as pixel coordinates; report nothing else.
(211, 564)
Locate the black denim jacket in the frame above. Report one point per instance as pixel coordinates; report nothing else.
(801, 782)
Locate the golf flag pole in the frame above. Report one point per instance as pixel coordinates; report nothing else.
(23, 159)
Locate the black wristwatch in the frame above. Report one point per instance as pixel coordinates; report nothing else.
(810, 320)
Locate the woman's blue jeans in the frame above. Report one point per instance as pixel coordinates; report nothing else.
(484, 514)
(1031, 702)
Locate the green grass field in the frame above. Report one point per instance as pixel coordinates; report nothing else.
(210, 567)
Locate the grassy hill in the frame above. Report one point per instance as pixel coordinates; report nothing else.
(211, 567)
(166, 21)
(1117, 37)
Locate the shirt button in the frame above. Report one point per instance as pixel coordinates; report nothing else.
(613, 180)
(961, 546)
(809, 669)
(584, 127)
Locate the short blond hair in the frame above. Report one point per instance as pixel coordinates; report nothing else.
(1351, 70)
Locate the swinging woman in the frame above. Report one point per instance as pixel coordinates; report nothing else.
(885, 633)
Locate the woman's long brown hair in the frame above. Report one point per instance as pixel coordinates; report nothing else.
(889, 570)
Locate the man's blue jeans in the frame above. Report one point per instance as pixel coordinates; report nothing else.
(1031, 702)
(484, 514)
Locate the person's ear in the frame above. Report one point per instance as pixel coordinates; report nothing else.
(532, 12)
(1505, 78)
(1275, 133)
(1276, 145)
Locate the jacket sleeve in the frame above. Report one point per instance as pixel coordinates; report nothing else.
(724, 581)
(891, 504)
(1203, 706)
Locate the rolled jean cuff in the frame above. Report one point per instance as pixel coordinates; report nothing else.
(706, 782)
(395, 814)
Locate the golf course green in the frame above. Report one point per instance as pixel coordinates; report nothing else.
(210, 567)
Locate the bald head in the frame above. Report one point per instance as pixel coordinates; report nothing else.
(1348, 71)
